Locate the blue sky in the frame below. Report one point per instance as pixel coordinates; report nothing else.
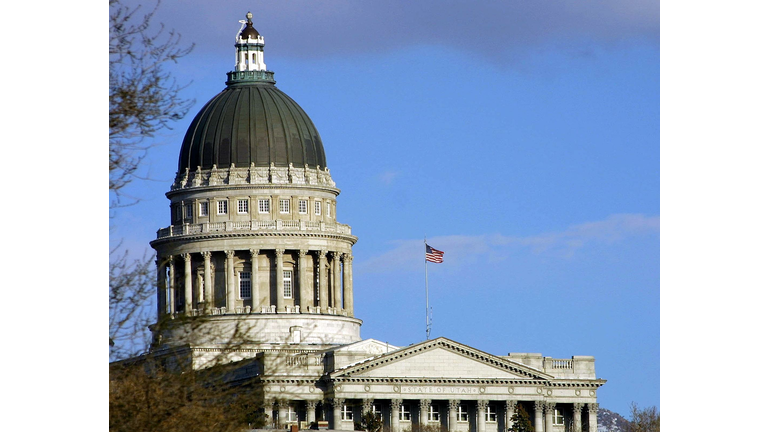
(522, 138)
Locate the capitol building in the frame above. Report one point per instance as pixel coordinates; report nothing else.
(257, 267)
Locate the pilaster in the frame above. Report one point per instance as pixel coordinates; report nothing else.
(280, 300)
(230, 281)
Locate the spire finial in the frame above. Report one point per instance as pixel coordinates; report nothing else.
(249, 15)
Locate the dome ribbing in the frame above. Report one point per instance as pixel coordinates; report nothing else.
(251, 123)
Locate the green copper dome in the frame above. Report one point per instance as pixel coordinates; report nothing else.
(251, 122)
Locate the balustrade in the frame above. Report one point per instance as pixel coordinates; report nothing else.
(279, 225)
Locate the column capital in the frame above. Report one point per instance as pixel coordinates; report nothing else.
(187, 257)
(283, 403)
(482, 404)
(302, 252)
(335, 255)
(254, 252)
(577, 406)
(279, 251)
(347, 258)
(592, 407)
(424, 403)
(538, 405)
(367, 405)
(206, 254)
(549, 407)
(229, 253)
(510, 404)
(337, 402)
(312, 403)
(453, 404)
(169, 258)
(395, 403)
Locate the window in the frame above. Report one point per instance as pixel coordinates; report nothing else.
(318, 208)
(242, 206)
(405, 412)
(461, 414)
(287, 284)
(285, 206)
(490, 413)
(292, 414)
(376, 409)
(204, 209)
(303, 206)
(328, 209)
(188, 211)
(245, 285)
(346, 412)
(177, 213)
(433, 414)
(559, 418)
(264, 205)
(221, 207)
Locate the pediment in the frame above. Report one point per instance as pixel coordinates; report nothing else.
(367, 346)
(439, 358)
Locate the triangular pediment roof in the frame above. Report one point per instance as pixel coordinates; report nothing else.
(369, 346)
(440, 358)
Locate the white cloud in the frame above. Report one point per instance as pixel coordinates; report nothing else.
(408, 254)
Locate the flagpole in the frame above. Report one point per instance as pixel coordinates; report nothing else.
(426, 284)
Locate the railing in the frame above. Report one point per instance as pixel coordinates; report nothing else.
(558, 363)
(253, 225)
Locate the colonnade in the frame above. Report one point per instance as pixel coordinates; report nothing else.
(327, 290)
(543, 418)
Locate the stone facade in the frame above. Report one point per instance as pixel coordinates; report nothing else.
(255, 269)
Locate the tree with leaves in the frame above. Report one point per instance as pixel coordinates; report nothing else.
(521, 421)
(371, 422)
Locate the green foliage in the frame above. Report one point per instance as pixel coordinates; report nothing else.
(371, 422)
(521, 421)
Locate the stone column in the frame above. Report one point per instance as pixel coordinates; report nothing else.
(323, 288)
(510, 406)
(337, 404)
(592, 408)
(282, 413)
(367, 406)
(279, 279)
(207, 283)
(255, 295)
(538, 425)
(453, 406)
(230, 281)
(577, 416)
(348, 300)
(187, 283)
(336, 281)
(482, 405)
(305, 288)
(311, 409)
(423, 411)
(161, 289)
(171, 285)
(394, 414)
(549, 410)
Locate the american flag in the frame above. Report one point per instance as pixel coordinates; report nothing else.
(434, 255)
